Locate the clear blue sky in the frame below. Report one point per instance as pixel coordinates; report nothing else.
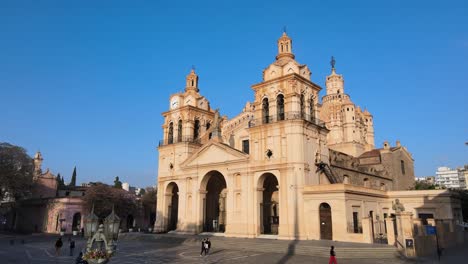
(86, 81)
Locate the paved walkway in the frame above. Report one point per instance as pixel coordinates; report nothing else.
(140, 249)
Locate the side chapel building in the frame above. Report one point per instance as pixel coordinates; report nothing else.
(290, 165)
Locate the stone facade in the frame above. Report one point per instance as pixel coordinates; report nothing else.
(277, 169)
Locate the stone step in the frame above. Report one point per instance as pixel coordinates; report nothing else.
(308, 248)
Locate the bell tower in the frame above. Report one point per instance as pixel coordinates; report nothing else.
(284, 47)
(38, 164)
(334, 82)
(192, 82)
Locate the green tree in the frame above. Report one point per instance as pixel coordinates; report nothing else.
(73, 178)
(16, 171)
(423, 185)
(117, 183)
(104, 196)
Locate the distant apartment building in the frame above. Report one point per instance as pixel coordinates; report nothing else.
(427, 179)
(452, 178)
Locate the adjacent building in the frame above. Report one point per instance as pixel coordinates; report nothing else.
(452, 178)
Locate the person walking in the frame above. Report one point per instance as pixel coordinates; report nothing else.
(72, 246)
(208, 246)
(58, 246)
(203, 249)
(332, 256)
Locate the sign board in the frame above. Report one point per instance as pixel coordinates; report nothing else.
(409, 243)
(431, 230)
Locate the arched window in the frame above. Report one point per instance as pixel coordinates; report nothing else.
(402, 167)
(196, 129)
(311, 109)
(366, 182)
(302, 106)
(179, 131)
(208, 126)
(280, 106)
(170, 134)
(345, 179)
(266, 111)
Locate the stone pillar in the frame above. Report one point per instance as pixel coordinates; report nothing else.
(418, 227)
(390, 230)
(405, 233)
(439, 223)
(367, 230)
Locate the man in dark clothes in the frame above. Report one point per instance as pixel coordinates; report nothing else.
(203, 249)
(72, 246)
(208, 246)
(332, 256)
(58, 246)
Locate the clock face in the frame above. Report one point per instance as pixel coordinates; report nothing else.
(174, 103)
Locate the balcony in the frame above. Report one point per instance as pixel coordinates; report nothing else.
(286, 116)
(176, 140)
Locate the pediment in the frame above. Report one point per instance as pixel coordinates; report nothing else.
(214, 153)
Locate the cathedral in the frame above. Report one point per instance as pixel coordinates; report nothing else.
(291, 165)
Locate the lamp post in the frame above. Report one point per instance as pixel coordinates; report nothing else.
(104, 236)
(91, 224)
(111, 228)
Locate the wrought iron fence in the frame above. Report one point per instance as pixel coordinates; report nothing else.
(286, 116)
(175, 140)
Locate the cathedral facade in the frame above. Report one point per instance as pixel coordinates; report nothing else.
(289, 165)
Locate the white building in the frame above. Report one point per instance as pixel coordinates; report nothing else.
(451, 178)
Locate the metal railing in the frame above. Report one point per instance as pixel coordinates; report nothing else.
(175, 140)
(286, 116)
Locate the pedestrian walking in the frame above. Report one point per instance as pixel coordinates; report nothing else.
(58, 246)
(208, 246)
(72, 246)
(203, 247)
(332, 256)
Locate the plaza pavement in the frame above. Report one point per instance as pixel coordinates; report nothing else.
(149, 248)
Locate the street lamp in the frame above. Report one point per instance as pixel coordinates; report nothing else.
(112, 225)
(104, 237)
(91, 223)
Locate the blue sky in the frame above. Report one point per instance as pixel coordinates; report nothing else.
(86, 81)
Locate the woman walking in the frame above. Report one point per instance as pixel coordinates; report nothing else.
(332, 256)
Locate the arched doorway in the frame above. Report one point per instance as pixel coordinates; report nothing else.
(130, 222)
(172, 196)
(215, 203)
(269, 205)
(76, 224)
(326, 231)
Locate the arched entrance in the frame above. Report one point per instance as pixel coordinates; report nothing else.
(214, 217)
(326, 231)
(269, 205)
(130, 222)
(172, 196)
(76, 224)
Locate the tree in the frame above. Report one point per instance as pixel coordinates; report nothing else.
(117, 183)
(16, 171)
(73, 178)
(423, 185)
(148, 201)
(103, 197)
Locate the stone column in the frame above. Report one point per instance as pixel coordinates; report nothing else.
(367, 230)
(405, 233)
(418, 227)
(390, 230)
(439, 223)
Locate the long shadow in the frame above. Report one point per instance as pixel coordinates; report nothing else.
(292, 245)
